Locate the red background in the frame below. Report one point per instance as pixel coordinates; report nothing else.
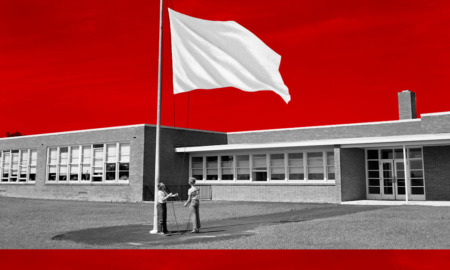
(69, 65)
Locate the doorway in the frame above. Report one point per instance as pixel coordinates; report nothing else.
(393, 180)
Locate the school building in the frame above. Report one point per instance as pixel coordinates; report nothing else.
(407, 159)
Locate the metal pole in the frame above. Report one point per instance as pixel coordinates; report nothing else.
(158, 121)
(406, 172)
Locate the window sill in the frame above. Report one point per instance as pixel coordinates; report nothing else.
(266, 183)
(17, 183)
(87, 184)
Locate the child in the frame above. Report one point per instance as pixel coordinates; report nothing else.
(162, 208)
(194, 204)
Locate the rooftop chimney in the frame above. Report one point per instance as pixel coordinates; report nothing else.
(407, 105)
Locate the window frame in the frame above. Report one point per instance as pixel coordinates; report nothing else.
(22, 154)
(86, 151)
(380, 159)
(268, 153)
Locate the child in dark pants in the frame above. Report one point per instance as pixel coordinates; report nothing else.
(194, 205)
(162, 208)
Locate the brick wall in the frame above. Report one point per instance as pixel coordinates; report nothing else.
(333, 132)
(338, 174)
(353, 174)
(437, 172)
(92, 191)
(436, 123)
(275, 193)
(174, 167)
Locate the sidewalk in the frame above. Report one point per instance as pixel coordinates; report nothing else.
(394, 203)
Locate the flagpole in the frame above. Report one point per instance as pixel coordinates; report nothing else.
(158, 122)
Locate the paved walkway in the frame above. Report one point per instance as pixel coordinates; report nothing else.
(138, 235)
(393, 203)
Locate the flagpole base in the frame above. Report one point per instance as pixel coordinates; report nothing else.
(153, 232)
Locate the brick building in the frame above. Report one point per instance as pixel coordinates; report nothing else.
(408, 159)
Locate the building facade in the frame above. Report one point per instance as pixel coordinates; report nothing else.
(408, 159)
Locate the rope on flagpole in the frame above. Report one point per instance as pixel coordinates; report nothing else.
(184, 153)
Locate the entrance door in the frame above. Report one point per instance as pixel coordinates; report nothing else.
(386, 174)
(387, 183)
(393, 173)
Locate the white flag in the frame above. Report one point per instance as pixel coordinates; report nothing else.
(215, 54)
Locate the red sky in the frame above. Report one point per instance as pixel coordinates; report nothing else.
(69, 65)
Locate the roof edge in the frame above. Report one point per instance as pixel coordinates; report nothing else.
(328, 126)
(104, 128)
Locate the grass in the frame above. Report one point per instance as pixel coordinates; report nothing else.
(30, 224)
(401, 227)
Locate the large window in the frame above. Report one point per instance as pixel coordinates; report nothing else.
(102, 163)
(18, 166)
(299, 166)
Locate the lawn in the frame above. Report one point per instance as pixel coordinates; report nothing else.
(30, 224)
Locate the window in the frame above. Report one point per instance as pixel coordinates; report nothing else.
(277, 171)
(52, 161)
(33, 163)
(373, 172)
(197, 167)
(377, 170)
(416, 171)
(18, 166)
(314, 163)
(89, 163)
(330, 166)
(97, 164)
(295, 166)
(226, 165)
(63, 163)
(74, 166)
(387, 154)
(23, 167)
(212, 168)
(14, 166)
(243, 167)
(111, 162)
(259, 167)
(6, 166)
(124, 161)
(265, 167)
(86, 163)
